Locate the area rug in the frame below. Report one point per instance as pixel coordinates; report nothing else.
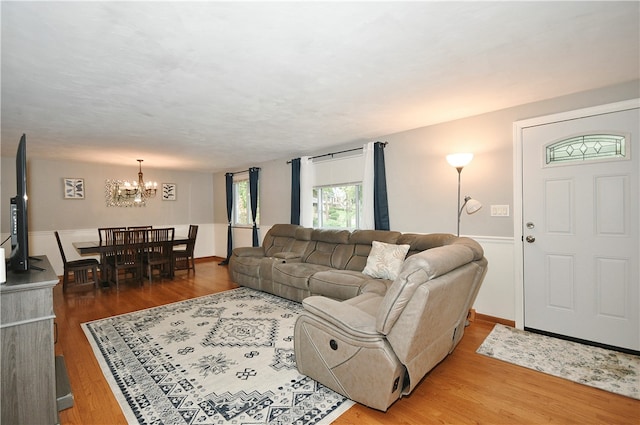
(226, 358)
(597, 367)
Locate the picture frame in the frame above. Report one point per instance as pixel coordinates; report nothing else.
(169, 191)
(73, 188)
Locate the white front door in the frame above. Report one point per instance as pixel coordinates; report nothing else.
(580, 223)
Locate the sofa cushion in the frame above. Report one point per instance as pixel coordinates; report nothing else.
(287, 255)
(474, 246)
(362, 240)
(295, 274)
(279, 238)
(248, 251)
(421, 242)
(246, 265)
(322, 248)
(385, 260)
(368, 302)
(303, 233)
(344, 284)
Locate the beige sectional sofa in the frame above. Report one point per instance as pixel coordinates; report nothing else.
(295, 262)
(374, 323)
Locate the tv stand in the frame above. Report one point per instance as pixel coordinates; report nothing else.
(28, 363)
(31, 266)
(7, 263)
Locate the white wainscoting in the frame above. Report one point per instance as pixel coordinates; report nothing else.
(44, 243)
(497, 293)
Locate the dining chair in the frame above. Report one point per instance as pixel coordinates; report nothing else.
(106, 238)
(139, 227)
(127, 247)
(158, 252)
(183, 258)
(85, 271)
(106, 233)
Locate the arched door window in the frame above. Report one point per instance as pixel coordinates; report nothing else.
(587, 147)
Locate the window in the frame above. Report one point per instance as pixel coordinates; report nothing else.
(242, 203)
(587, 147)
(337, 206)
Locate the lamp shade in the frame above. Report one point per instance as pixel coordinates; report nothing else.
(473, 205)
(459, 159)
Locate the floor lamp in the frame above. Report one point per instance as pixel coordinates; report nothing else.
(459, 161)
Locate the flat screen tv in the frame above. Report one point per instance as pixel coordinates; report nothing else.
(19, 259)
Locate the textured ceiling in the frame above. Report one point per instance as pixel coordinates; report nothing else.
(219, 85)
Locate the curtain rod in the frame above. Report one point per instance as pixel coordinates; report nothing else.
(243, 171)
(339, 152)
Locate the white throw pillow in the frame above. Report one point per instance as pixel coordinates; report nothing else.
(385, 260)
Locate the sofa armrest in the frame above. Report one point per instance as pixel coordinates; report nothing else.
(346, 317)
(376, 286)
(249, 251)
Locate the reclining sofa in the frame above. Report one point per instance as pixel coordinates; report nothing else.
(369, 331)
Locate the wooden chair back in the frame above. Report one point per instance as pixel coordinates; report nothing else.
(128, 246)
(64, 257)
(183, 259)
(106, 234)
(159, 251)
(155, 245)
(191, 244)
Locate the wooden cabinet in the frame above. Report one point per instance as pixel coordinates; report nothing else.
(26, 335)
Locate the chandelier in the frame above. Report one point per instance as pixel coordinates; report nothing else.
(136, 191)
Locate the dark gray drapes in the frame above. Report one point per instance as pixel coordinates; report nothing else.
(253, 191)
(229, 186)
(380, 202)
(295, 191)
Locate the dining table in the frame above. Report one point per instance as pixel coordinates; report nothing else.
(102, 248)
(97, 247)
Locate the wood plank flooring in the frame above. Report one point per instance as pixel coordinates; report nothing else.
(466, 388)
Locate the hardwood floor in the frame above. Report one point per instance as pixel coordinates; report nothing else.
(466, 388)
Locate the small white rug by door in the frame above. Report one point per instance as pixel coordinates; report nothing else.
(221, 359)
(597, 367)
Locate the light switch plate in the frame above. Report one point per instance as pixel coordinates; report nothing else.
(499, 210)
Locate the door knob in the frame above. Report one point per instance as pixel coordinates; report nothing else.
(530, 239)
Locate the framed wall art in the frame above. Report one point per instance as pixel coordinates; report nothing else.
(169, 191)
(73, 188)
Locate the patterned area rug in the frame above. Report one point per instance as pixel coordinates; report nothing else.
(226, 358)
(605, 369)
